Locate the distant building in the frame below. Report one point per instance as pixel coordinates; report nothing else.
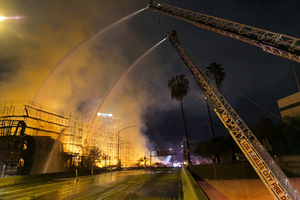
(289, 106)
(104, 134)
(195, 158)
(193, 144)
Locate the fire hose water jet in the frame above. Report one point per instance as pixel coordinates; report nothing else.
(51, 155)
(81, 44)
(116, 83)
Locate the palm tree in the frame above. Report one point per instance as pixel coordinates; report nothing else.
(179, 87)
(217, 73)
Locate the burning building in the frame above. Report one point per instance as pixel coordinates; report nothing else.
(37, 139)
(104, 134)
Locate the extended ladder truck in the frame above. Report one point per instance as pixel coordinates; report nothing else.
(269, 172)
(267, 169)
(274, 43)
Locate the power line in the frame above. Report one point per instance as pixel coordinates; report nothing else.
(266, 109)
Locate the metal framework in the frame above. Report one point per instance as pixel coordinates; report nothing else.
(28, 118)
(274, 43)
(269, 172)
(103, 134)
(38, 120)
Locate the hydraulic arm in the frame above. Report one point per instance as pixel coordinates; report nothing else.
(274, 43)
(267, 169)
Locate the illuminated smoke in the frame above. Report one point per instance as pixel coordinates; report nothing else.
(61, 62)
(87, 74)
(117, 82)
(80, 81)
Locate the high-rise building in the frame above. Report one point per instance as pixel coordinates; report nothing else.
(104, 135)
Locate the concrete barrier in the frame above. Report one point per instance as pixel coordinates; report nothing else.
(12, 180)
(190, 188)
(290, 163)
(287, 158)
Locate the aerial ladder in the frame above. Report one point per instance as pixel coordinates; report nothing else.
(274, 43)
(266, 168)
(278, 44)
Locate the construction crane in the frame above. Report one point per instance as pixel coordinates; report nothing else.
(274, 43)
(266, 168)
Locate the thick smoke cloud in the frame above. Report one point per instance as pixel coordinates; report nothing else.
(31, 47)
(80, 82)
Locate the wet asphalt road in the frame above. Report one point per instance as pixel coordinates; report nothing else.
(161, 183)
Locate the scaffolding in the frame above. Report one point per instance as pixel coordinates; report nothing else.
(104, 135)
(33, 119)
(19, 118)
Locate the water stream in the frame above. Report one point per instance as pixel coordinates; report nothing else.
(119, 80)
(49, 164)
(52, 155)
(80, 45)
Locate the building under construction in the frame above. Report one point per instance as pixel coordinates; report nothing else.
(37, 139)
(104, 135)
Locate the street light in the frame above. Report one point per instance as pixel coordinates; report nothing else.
(145, 157)
(4, 18)
(118, 164)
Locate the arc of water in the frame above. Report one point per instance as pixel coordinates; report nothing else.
(108, 93)
(50, 156)
(82, 43)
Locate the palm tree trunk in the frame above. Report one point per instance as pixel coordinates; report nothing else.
(217, 84)
(211, 125)
(186, 136)
(212, 130)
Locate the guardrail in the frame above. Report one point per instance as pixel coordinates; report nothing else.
(190, 188)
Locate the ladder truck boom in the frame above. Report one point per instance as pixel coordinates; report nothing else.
(266, 168)
(274, 43)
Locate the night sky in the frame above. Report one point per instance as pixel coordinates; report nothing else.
(36, 46)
